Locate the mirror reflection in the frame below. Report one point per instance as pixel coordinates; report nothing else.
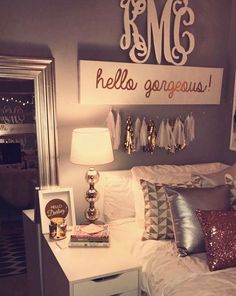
(28, 153)
(28, 136)
(18, 150)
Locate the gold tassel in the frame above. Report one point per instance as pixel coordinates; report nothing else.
(152, 137)
(129, 136)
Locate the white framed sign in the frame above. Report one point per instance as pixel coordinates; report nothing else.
(147, 84)
(54, 203)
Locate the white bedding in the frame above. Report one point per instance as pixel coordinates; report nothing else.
(165, 274)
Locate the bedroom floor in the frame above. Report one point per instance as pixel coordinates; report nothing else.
(14, 285)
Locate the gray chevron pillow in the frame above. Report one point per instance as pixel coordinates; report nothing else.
(158, 221)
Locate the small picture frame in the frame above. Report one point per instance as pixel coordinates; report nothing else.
(56, 202)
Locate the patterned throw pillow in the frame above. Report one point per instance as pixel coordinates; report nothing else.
(231, 182)
(198, 181)
(219, 229)
(158, 221)
(214, 179)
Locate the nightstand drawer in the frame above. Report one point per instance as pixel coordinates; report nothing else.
(124, 284)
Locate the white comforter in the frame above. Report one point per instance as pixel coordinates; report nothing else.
(165, 274)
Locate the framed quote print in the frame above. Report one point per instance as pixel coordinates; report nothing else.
(56, 203)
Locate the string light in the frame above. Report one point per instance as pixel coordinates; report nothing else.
(18, 100)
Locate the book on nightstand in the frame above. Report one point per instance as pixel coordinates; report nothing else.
(90, 236)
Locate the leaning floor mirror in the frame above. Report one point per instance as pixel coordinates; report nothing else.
(15, 74)
(28, 150)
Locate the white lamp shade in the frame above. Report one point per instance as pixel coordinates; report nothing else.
(91, 146)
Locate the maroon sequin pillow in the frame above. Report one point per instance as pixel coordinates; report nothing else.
(219, 229)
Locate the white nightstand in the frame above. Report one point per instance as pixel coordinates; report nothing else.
(89, 271)
(78, 271)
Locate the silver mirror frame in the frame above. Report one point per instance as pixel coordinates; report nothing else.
(42, 72)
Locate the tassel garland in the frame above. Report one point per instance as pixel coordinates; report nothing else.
(172, 136)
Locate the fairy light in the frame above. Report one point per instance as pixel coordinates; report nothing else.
(18, 100)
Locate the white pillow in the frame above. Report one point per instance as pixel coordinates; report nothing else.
(166, 174)
(118, 200)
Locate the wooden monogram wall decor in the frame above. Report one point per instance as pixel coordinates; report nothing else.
(129, 83)
(160, 32)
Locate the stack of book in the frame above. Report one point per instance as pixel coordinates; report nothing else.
(90, 236)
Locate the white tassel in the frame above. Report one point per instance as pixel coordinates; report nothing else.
(166, 139)
(117, 138)
(192, 128)
(137, 128)
(171, 138)
(178, 133)
(182, 140)
(189, 128)
(110, 121)
(143, 134)
(161, 135)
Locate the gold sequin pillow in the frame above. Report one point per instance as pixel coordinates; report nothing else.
(158, 221)
(219, 229)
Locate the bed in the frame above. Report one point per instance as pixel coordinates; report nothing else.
(164, 272)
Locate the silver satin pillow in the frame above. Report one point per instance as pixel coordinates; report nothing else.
(183, 204)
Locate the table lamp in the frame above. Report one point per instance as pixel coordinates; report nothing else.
(91, 146)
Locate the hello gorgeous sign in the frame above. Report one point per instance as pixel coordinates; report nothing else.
(125, 83)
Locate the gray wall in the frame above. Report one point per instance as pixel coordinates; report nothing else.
(91, 29)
